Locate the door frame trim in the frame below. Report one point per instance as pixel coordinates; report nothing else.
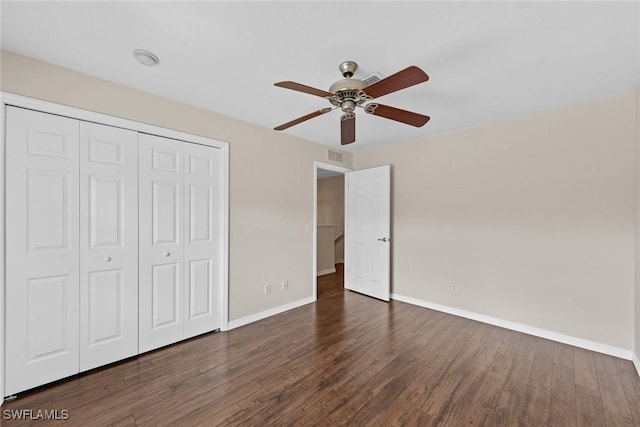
(320, 165)
(91, 116)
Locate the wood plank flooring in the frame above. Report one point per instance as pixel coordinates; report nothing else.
(352, 360)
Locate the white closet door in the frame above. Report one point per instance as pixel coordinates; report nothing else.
(108, 245)
(42, 238)
(203, 231)
(161, 241)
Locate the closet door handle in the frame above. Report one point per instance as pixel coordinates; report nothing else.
(107, 259)
(167, 254)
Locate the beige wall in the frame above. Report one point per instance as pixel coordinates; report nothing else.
(637, 281)
(331, 208)
(533, 219)
(271, 177)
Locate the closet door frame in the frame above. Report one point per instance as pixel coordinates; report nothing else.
(90, 116)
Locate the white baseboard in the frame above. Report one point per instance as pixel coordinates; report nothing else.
(327, 271)
(636, 363)
(268, 313)
(519, 327)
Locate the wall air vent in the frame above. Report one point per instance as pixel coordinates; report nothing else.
(372, 78)
(336, 156)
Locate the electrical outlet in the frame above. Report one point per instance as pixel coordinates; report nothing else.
(454, 288)
(285, 285)
(267, 289)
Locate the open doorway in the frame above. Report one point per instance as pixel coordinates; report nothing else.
(328, 228)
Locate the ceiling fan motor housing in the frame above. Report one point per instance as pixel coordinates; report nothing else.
(348, 94)
(347, 85)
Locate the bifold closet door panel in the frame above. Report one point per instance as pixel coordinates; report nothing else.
(42, 249)
(161, 210)
(108, 244)
(203, 238)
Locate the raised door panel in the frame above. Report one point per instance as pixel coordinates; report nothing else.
(47, 328)
(161, 257)
(165, 212)
(166, 292)
(109, 244)
(203, 246)
(42, 232)
(105, 307)
(106, 211)
(47, 224)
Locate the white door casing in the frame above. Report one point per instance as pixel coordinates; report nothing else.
(161, 201)
(42, 275)
(367, 231)
(108, 244)
(204, 225)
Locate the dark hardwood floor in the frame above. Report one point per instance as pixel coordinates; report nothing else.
(352, 360)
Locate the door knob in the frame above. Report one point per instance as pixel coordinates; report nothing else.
(167, 254)
(107, 259)
(382, 239)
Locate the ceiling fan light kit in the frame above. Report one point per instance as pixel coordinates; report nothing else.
(351, 93)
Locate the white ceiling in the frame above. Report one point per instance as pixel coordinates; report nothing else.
(487, 61)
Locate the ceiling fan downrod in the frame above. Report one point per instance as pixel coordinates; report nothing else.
(348, 69)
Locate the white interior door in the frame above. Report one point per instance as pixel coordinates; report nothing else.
(367, 231)
(203, 273)
(108, 245)
(161, 202)
(42, 238)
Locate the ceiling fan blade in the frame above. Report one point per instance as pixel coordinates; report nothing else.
(402, 116)
(303, 119)
(347, 128)
(402, 79)
(302, 88)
